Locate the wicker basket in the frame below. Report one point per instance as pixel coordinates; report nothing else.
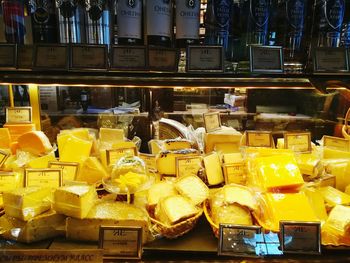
(175, 230)
(345, 128)
(207, 213)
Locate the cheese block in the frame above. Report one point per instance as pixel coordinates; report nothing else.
(109, 135)
(10, 181)
(26, 203)
(278, 172)
(232, 214)
(341, 172)
(339, 220)
(173, 209)
(166, 160)
(75, 150)
(329, 153)
(44, 226)
(176, 144)
(317, 202)
(91, 171)
(226, 143)
(158, 191)
(155, 146)
(43, 161)
(107, 214)
(16, 130)
(64, 135)
(74, 200)
(310, 164)
(213, 169)
(230, 158)
(5, 139)
(192, 187)
(238, 194)
(35, 142)
(334, 197)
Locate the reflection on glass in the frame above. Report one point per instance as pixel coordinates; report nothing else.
(21, 95)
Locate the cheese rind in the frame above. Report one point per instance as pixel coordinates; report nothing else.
(26, 203)
(35, 142)
(75, 200)
(176, 144)
(213, 169)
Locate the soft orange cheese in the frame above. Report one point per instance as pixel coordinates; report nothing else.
(5, 139)
(35, 142)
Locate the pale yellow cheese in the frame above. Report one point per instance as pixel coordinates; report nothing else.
(75, 200)
(309, 164)
(213, 169)
(226, 140)
(155, 146)
(329, 153)
(317, 203)
(75, 150)
(107, 214)
(176, 144)
(26, 203)
(5, 139)
(91, 171)
(230, 158)
(173, 209)
(238, 194)
(193, 188)
(232, 214)
(109, 135)
(166, 160)
(42, 162)
(35, 142)
(334, 197)
(44, 226)
(339, 220)
(158, 191)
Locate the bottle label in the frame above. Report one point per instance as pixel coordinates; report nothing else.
(334, 13)
(158, 18)
(295, 10)
(222, 12)
(129, 18)
(187, 19)
(259, 12)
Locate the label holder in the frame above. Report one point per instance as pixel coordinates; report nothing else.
(79, 61)
(238, 166)
(3, 157)
(51, 57)
(29, 171)
(25, 56)
(62, 165)
(330, 60)
(8, 56)
(19, 115)
(109, 153)
(287, 139)
(163, 59)
(336, 143)
(212, 121)
(135, 55)
(179, 162)
(208, 59)
(252, 143)
(266, 59)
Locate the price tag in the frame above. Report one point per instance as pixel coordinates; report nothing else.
(301, 237)
(266, 59)
(25, 56)
(69, 169)
(163, 59)
(8, 56)
(114, 155)
(121, 242)
(327, 59)
(235, 173)
(238, 240)
(43, 177)
(8, 181)
(259, 139)
(336, 143)
(18, 114)
(150, 161)
(51, 57)
(212, 121)
(188, 165)
(88, 57)
(3, 157)
(128, 58)
(205, 58)
(298, 142)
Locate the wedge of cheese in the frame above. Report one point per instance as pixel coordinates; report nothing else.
(224, 141)
(43, 161)
(64, 135)
(44, 226)
(35, 142)
(310, 164)
(91, 171)
(109, 135)
(155, 146)
(158, 191)
(107, 214)
(173, 209)
(192, 187)
(329, 153)
(166, 160)
(5, 139)
(339, 220)
(75, 200)
(176, 144)
(27, 203)
(213, 169)
(317, 203)
(16, 130)
(75, 150)
(238, 194)
(334, 197)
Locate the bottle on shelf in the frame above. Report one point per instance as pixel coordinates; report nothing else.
(44, 21)
(159, 29)
(70, 21)
(13, 16)
(84, 99)
(98, 19)
(129, 22)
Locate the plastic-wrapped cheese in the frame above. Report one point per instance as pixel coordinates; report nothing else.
(334, 197)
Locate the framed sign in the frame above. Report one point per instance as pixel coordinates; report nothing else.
(150, 161)
(128, 58)
(238, 240)
(51, 57)
(8, 56)
(266, 59)
(18, 115)
(205, 59)
(114, 155)
(235, 173)
(336, 143)
(121, 242)
(328, 59)
(212, 121)
(25, 56)
(300, 237)
(189, 165)
(3, 157)
(69, 169)
(163, 59)
(8, 181)
(43, 177)
(88, 57)
(259, 139)
(298, 142)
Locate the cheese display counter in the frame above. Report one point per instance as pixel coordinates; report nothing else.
(185, 166)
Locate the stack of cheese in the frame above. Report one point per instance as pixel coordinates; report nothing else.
(173, 202)
(29, 216)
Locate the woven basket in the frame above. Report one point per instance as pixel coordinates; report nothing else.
(175, 230)
(345, 128)
(207, 213)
